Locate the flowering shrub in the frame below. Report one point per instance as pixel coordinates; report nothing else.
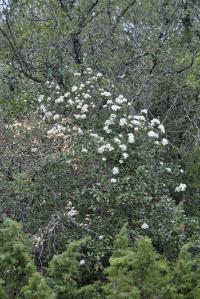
(92, 165)
(117, 158)
(105, 125)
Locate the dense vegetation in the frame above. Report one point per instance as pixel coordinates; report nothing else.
(99, 149)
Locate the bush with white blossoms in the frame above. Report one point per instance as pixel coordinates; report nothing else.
(119, 158)
(85, 164)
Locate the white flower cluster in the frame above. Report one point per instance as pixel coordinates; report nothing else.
(57, 130)
(106, 147)
(123, 130)
(118, 131)
(181, 187)
(144, 226)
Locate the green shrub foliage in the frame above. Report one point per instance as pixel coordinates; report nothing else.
(135, 271)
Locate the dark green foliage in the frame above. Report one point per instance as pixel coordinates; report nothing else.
(37, 288)
(2, 291)
(186, 273)
(140, 272)
(15, 260)
(17, 270)
(65, 271)
(21, 279)
(192, 175)
(137, 272)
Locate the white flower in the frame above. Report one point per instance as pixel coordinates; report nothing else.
(50, 132)
(139, 117)
(125, 155)
(56, 116)
(67, 94)
(109, 147)
(104, 159)
(113, 116)
(74, 88)
(117, 140)
(108, 122)
(72, 213)
(115, 170)
(59, 100)
(156, 142)
(144, 111)
(40, 99)
(113, 180)
(84, 150)
(79, 130)
(82, 262)
(131, 138)
(135, 122)
(109, 102)
(77, 74)
(94, 135)
(121, 161)
(71, 102)
(164, 141)
(120, 99)
(100, 237)
(99, 75)
(122, 122)
(87, 96)
(123, 147)
(168, 169)
(144, 226)
(115, 107)
(181, 187)
(89, 70)
(155, 121)
(33, 149)
(43, 108)
(84, 108)
(106, 94)
(107, 130)
(82, 85)
(152, 134)
(78, 116)
(83, 116)
(48, 114)
(161, 128)
(102, 148)
(181, 170)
